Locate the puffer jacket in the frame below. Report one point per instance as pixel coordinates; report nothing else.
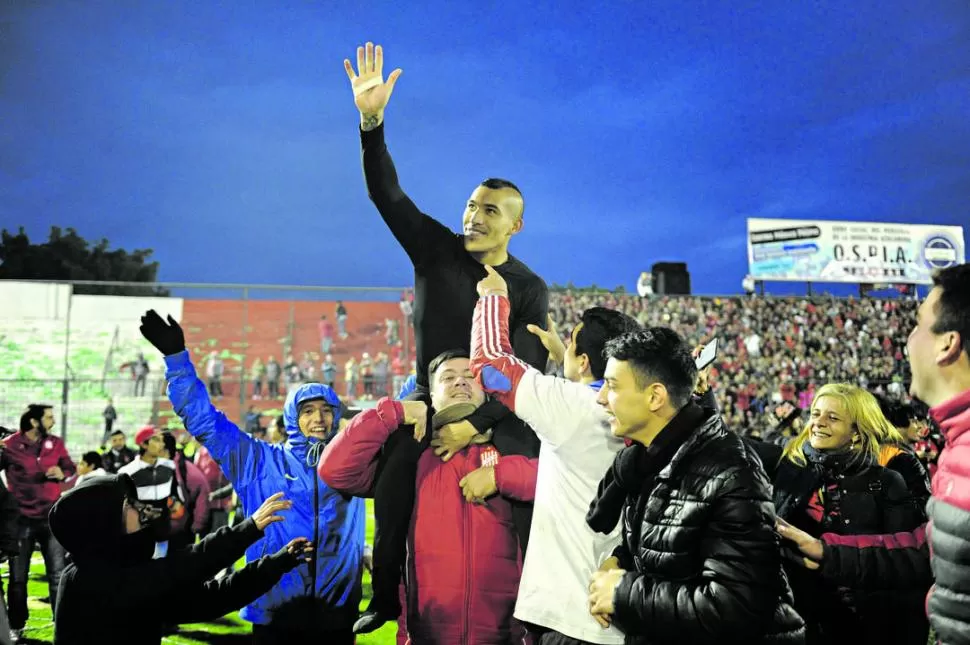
(858, 498)
(463, 559)
(320, 596)
(703, 559)
(891, 560)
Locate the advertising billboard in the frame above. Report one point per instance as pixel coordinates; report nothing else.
(820, 251)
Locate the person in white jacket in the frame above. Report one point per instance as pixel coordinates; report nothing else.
(577, 450)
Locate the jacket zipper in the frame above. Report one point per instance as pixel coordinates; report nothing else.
(468, 571)
(316, 536)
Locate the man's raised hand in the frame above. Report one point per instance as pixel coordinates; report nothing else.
(371, 92)
(266, 514)
(167, 337)
(550, 339)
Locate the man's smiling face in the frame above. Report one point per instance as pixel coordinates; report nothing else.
(315, 418)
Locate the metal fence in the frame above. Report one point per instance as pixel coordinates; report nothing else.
(61, 346)
(75, 350)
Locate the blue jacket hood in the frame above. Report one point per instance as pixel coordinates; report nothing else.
(296, 441)
(324, 594)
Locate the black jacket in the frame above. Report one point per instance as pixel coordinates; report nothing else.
(859, 499)
(703, 559)
(112, 462)
(114, 573)
(9, 523)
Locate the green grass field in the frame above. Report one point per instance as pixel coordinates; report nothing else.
(228, 630)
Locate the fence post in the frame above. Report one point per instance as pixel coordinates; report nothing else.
(65, 384)
(245, 353)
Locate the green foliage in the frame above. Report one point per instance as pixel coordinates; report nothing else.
(68, 256)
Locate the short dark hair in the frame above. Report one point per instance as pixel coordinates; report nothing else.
(896, 412)
(496, 183)
(35, 411)
(601, 325)
(93, 459)
(658, 355)
(953, 307)
(444, 356)
(117, 433)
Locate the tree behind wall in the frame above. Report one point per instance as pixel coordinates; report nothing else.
(68, 256)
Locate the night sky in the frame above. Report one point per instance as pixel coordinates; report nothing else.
(224, 136)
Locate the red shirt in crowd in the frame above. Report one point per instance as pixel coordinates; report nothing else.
(27, 463)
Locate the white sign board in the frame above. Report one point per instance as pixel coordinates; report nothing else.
(819, 251)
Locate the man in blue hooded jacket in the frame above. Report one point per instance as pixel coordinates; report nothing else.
(316, 602)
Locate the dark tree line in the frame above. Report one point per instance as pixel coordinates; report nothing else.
(68, 256)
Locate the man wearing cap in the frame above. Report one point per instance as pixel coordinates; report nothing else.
(154, 478)
(318, 601)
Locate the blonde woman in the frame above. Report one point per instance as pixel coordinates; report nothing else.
(828, 480)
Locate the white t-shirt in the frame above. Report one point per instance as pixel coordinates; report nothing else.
(577, 450)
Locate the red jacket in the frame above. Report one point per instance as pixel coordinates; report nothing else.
(214, 476)
(893, 560)
(195, 491)
(26, 464)
(463, 558)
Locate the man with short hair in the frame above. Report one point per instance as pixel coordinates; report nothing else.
(577, 448)
(446, 269)
(699, 559)
(463, 554)
(119, 454)
(37, 465)
(939, 357)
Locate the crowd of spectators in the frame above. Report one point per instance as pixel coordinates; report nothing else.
(773, 352)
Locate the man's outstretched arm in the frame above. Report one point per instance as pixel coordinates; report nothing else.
(416, 232)
(552, 406)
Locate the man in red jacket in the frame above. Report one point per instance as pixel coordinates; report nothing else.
(463, 556)
(37, 465)
(939, 356)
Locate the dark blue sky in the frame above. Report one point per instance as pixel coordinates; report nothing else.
(224, 135)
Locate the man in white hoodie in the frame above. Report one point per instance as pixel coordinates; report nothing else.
(577, 450)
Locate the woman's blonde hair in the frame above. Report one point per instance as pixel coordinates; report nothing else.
(872, 426)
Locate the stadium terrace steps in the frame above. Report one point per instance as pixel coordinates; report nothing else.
(240, 332)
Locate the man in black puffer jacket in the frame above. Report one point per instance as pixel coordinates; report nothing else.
(699, 561)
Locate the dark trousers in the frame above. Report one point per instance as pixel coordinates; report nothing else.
(279, 635)
(394, 490)
(32, 531)
(108, 424)
(543, 636)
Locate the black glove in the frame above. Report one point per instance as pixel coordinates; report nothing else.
(167, 337)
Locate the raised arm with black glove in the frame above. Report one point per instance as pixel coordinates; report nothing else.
(167, 337)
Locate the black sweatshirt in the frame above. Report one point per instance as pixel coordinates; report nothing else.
(446, 277)
(141, 597)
